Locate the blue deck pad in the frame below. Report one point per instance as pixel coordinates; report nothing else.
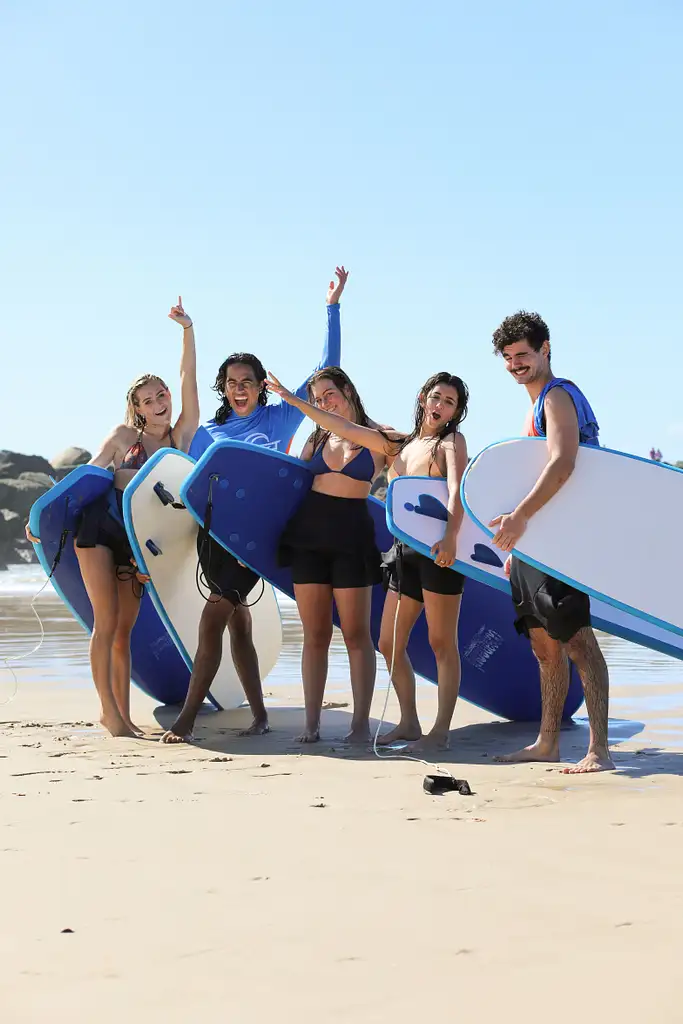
(254, 493)
(157, 667)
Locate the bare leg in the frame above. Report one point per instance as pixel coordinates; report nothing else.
(245, 659)
(402, 676)
(215, 618)
(314, 601)
(99, 577)
(442, 612)
(128, 608)
(554, 675)
(353, 605)
(590, 664)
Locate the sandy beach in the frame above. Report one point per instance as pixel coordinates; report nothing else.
(250, 879)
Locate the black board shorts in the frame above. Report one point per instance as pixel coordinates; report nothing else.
(543, 602)
(411, 573)
(223, 574)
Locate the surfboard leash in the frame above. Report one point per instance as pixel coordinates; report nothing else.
(433, 784)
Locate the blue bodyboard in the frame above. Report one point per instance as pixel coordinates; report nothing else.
(157, 667)
(255, 491)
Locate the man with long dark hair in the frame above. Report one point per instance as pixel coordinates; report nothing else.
(243, 415)
(555, 616)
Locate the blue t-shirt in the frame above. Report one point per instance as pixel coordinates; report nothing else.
(588, 424)
(273, 425)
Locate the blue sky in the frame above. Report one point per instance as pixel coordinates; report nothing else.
(463, 160)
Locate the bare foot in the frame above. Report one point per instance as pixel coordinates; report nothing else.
(177, 737)
(431, 742)
(358, 737)
(115, 725)
(309, 736)
(536, 752)
(259, 727)
(592, 762)
(411, 732)
(133, 727)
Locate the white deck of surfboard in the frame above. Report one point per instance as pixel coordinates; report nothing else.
(406, 491)
(173, 574)
(609, 531)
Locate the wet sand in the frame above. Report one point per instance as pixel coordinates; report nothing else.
(253, 880)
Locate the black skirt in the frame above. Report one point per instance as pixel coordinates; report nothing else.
(339, 530)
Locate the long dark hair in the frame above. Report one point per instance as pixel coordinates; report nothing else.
(224, 409)
(452, 426)
(343, 383)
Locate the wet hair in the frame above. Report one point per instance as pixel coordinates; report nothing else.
(134, 417)
(343, 382)
(521, 326)
(453, 424)
(224, 409)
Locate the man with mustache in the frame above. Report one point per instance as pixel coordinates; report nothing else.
(554, 616)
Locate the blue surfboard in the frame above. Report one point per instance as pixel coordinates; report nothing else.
(253, 493)
(158, 669)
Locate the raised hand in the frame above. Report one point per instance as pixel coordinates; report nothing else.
(179, 315)
(274, 385)
(335, 289)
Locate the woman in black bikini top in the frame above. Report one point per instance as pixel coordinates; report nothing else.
(104, 554)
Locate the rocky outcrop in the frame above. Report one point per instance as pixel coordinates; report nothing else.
(23, 478)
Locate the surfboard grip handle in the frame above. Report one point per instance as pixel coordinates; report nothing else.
(154, 548)
(165, 497)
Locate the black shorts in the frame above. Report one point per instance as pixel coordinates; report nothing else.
(331, 540)
(101, 525)
(543, 602)
(223, 574)
(339, 570)
(412, 573)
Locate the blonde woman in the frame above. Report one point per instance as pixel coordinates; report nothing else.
(109, 573)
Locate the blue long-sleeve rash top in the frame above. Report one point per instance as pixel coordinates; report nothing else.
(273, 425)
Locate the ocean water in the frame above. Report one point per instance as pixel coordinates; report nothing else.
(644, 684)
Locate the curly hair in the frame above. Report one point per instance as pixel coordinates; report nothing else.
(521, 326)
(224, 409)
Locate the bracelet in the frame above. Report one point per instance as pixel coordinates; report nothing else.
(188, 326)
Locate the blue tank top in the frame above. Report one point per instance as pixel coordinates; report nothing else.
(360, 467)
(588, 424)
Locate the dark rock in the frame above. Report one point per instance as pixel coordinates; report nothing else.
(13, 464)
(18, 495)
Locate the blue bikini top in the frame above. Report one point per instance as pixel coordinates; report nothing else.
(360, 467)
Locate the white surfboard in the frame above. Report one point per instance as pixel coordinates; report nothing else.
(164, 541)
(416, 514)
(608, 531)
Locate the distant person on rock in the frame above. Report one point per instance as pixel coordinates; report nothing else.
(555, 616)
(243, 415)
(104, 554)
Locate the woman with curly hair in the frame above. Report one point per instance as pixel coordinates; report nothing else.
(243, 415)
